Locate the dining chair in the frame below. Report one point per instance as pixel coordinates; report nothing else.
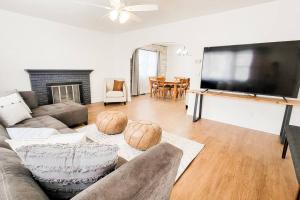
(183, 86)
(161, 78)
(177, 78)
(153, 85)
(160, 88)
(164, 89)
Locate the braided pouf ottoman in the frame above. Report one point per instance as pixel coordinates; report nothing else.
(142, 135)
(111, 122)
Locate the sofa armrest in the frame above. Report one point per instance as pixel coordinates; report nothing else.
(125, 91)
(149, 176)
(106, 82)
(30, 99)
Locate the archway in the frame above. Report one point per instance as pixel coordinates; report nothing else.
(168, 60)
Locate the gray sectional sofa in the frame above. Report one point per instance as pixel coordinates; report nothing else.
(59, 116)
(149, 176)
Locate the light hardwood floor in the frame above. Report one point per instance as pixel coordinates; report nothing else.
(236, 163)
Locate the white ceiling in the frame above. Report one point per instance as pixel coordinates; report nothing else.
(68, 12)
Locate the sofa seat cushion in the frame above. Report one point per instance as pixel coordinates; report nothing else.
(69, 113)
(114, 94)
(16, 181)
(45, 122)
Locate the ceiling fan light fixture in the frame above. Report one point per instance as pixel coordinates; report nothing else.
(182, 51)
(119, 11)
(124, 17)
(114, 15)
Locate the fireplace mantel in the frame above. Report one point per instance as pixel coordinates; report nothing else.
(40, 78)
(58, 70)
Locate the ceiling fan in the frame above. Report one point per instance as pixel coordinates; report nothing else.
(120, 12)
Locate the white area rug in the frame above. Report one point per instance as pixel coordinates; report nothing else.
(190, 148)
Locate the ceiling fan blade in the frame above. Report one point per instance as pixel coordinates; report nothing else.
(134, 17)
(92, 4)
(116, 3)
(141, 8)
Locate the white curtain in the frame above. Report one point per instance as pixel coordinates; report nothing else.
(148, 62)
(134, 88)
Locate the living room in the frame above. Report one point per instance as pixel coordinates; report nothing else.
(222, 145)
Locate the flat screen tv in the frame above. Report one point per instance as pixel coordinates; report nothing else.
(265, 68)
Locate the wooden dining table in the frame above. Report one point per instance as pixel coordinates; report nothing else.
(172, 83)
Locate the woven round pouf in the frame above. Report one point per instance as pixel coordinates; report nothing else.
(142, 135)
(111, 122)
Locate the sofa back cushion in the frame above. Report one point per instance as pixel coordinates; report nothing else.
(30, 99)
(3, 136)
(63, 170)
(16, 181)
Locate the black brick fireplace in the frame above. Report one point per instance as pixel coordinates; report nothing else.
(41, 79)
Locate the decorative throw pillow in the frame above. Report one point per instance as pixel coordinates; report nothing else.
(12, 112)
(13, 96)
(70, 138)
(64, 170)
(118, 85)
(31, 133)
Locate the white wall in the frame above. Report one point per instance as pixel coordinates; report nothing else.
(178, 65)
(275, 21)
(27, 42)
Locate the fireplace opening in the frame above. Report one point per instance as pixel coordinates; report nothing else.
(63, 92)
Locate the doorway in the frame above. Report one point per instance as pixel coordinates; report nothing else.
(148, 63)
(144, 64)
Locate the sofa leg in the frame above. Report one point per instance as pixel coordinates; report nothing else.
(86, 123)
(125, 103)
(285, 146)
(105, 104)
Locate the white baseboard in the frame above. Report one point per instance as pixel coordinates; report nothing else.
(100, 100)
(96, 100)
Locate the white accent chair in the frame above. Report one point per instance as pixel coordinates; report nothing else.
(111, 96)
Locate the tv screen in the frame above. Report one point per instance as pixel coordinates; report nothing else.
(265, 68)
